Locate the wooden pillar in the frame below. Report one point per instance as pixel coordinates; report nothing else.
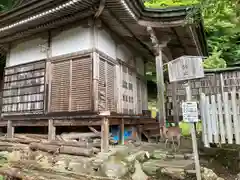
(159, 73)
(105, 135)
(139, 132)
(160, 88)
(121, 133)
(175, 103)
(51, 130)
(10, 129)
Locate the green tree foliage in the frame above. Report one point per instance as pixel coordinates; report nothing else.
(169, 3)
(6, 5)
(222, 27)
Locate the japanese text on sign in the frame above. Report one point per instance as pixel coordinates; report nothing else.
(190, 112)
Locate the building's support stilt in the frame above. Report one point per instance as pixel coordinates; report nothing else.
(121, 133)
(10, 129)
(139, 132)
(105, 135)
(51, 130)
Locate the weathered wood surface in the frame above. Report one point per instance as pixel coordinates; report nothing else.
(220, 118)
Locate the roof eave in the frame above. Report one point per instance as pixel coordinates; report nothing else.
(173, 12)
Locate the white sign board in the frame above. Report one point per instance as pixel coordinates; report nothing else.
(190, 112)
(185, 68)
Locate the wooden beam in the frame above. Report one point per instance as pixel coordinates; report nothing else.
(10, 130)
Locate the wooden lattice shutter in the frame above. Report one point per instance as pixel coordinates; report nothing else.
(110, 87)
(60, 86)
(81, 84)
(102, 86)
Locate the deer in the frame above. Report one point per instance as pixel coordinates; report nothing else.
(170, 133)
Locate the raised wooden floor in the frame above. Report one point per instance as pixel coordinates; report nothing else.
(53, 120)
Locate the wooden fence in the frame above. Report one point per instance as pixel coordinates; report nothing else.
(220, 118)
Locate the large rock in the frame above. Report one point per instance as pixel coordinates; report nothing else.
(115, 167)
(153, 167)
(174, 173)
(208, 174)
(139, 174)
(159, 154)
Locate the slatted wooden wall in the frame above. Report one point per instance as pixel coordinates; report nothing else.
(106, 86)
(23, 91)
(212, 83)
(60, 86)
(71, 85)
(102, 86)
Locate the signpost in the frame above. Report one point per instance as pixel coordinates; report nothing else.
(184, 69)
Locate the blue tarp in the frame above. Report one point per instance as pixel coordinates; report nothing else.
(115, 130)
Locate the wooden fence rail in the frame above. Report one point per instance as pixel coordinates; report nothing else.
(220, 118)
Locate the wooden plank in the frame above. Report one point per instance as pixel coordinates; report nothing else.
(10, 130)
(235, 116)
(208, 120)
(204, 112)
(227, 118)
(220, 115)
(214, 119)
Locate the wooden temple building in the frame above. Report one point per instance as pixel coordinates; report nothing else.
(69, 60)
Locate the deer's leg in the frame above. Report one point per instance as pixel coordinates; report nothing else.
(166, 141)
(173, 144)
(179, 141)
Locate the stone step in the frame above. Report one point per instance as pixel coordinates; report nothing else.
(163, 154)
(153, 167)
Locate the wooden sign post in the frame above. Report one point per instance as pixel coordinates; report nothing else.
(182, 69)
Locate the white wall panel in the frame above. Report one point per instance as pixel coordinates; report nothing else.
(71, 40)
(26, 51)
(105, 43)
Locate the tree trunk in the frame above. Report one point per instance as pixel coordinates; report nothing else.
(44, 147)
(73, 144)
(73, 135)
(15, 140)
(76, 151)
(62, 149)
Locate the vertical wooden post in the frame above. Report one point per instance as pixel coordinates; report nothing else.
(10, 129)
(139, 131)
(193, 134)
(121, 134)
(160, 88)
(70, 87)
(175, 104)
(51, 130)
(105, 135)
(160, 76)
